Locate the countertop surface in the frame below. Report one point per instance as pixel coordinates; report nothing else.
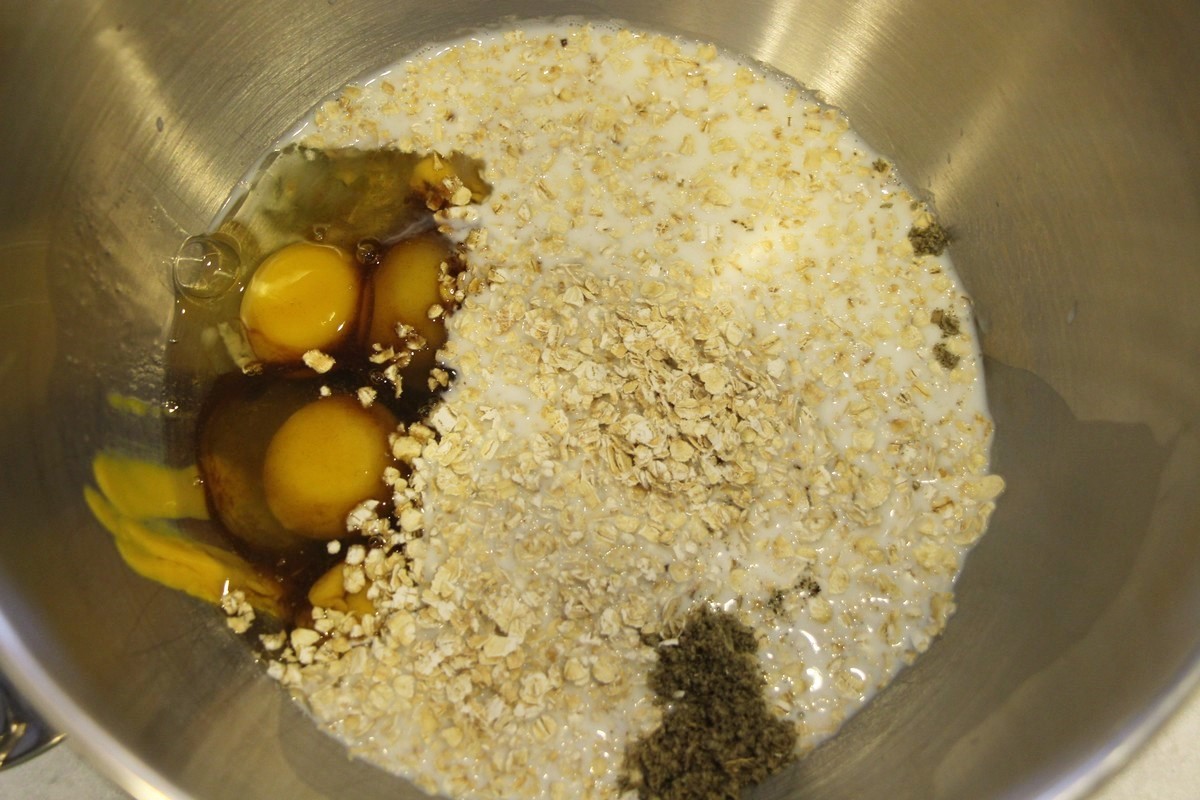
(1167, 768)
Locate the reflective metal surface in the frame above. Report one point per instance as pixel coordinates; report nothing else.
(23, 733)
(1061, 143)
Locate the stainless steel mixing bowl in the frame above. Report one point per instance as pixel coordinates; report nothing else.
(1061, 143)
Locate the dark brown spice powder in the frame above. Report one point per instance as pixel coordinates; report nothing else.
(717, 735)
(946, 321)
(944, 357)
(930, 240)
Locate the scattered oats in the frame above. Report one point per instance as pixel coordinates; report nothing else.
(605, 671)
(391, 374)
(303, 637)
(381, 355)
(366, 396)
(355, 555)
(272, 642)
(443, 420)
(989, 487)
(411, 520)
(358, 519)
(318, 362)
(406, 448)
(237, 347)
(239, 614)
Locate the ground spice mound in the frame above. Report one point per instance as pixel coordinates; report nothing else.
(930, 240)
(717, 736)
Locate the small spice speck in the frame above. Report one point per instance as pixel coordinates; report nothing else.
(945, 357)
(930, 240)
(946, 321)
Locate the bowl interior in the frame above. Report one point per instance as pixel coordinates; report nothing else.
(1061, 145)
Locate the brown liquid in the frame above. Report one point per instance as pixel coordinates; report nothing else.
(262, 403)
(361, 202)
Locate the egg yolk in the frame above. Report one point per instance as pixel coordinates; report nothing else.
(406, 286)
(302, 297)
(323, 461)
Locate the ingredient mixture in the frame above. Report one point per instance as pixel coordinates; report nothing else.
(645, 469)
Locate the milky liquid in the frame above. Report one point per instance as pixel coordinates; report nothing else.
(627, 160)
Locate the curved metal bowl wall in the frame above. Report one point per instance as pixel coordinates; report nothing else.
(1061, 144)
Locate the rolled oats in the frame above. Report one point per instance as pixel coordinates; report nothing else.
(695, 363)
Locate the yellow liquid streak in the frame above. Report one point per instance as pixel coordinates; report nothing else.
(142, 490)
(134, 493)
